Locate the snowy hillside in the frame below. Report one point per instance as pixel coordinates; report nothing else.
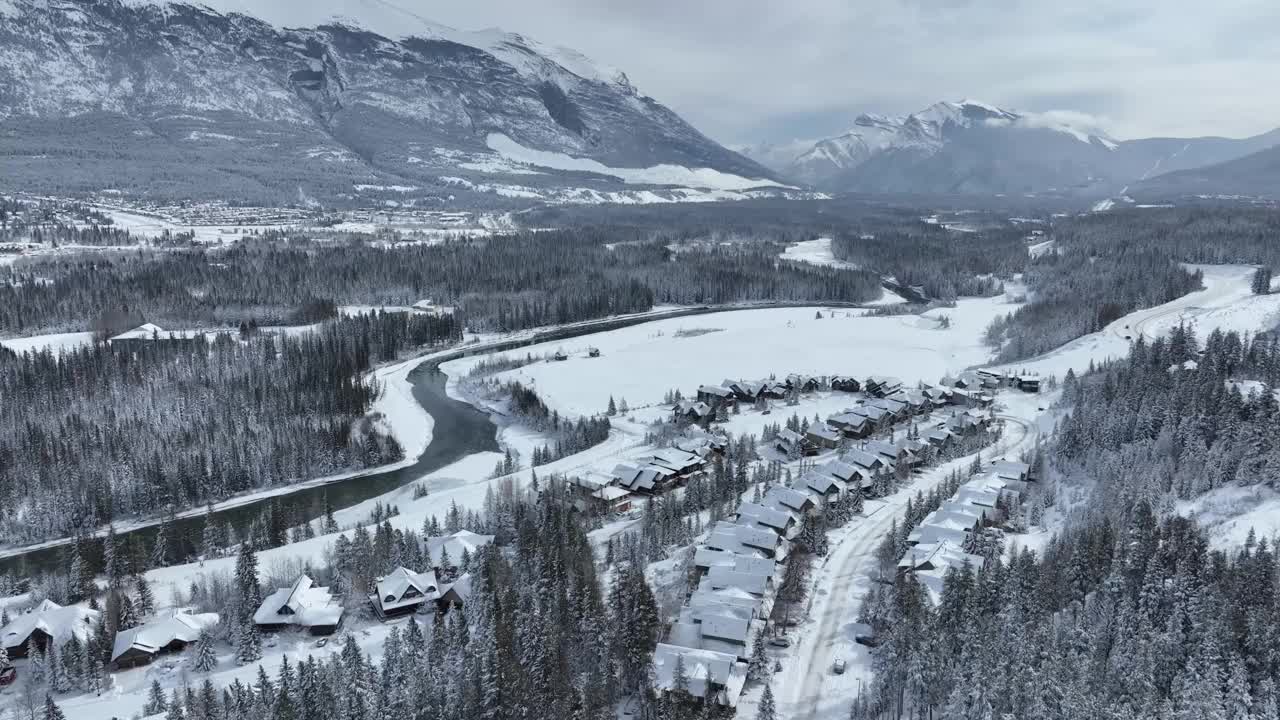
(282, 102)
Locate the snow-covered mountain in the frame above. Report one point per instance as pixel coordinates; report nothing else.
(975, 147)
(263, 101)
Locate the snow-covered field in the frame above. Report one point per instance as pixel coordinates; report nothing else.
(818, 252)
(1226, 301)
(656, 175)
(641, 363)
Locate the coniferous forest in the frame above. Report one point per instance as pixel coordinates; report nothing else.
(110, 431)
(1128, 612)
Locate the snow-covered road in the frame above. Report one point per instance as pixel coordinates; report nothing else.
(809, 689)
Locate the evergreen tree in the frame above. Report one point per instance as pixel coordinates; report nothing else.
(156, 702)
(766, 709)
(146, 599)
(51, 710)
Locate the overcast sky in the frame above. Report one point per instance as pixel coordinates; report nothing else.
(745, 71)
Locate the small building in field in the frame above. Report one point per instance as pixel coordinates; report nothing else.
(403, 591)
(300, 605)
(140, 645)
(614, 500)
(560, 356)
(151, 333)
(593, 352)
(694, 411)
(1029, 383)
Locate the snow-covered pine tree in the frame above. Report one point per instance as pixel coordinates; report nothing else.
(766, 710)
(205, 656)
(146, 599)
(156, 702)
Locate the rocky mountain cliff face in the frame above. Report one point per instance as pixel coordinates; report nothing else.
(177, 100)
(974, 147)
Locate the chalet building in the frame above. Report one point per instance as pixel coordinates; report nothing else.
(793, 444)
(455, 546)
(844, 383)
(743, 390)
(300, 605)
(775, 390)
(847, 474)
(822, 437)
(704, 445)
(643, 479)
(684, 465)
(868, 463)
(882, 385)
(455, 594)
(940, 437)
(694, 411)
(746, 540)
(802, 383)
(851, 424)
(896, 409)
(822, 487)
(715, 395)
(46, 623)
(141, 645)
(1029, 383)
(877, 417)
(779, 521)
(1011, 470)
(930, 563)
(945, 524)
(781, 497)
(917, 402)
(151, 333)
(402, 592)
(716, 676)
(939, 396)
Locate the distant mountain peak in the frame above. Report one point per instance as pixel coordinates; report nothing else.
(972, 146)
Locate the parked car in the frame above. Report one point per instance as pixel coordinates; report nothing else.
(839, 666)
(322, 642)
(780, 642)
(8, 675)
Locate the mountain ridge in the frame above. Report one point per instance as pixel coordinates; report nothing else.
(971, 146)
(182, 100)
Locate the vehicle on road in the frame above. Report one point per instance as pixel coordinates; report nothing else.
(322, 642)
(780, 642)
(839, 666)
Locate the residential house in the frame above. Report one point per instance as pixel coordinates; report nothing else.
(896, 409)
(779, 521)
(822, 437)
(844, 383)
(707, 673)
(715, 396)
(819, 485)
(455, 594)
(683, 465)
(893, 453)
(140, 645)
(720, 578)
(930, 563)
(149, 333)
(781, 497)
(746, 540)
(694, 411)
(946, 524)
(403, 591)
(45, 623)
(1011, 470)
(802, 383)
(1029, 383)
(851, 424)
(463, 542)
(793, 444)
(301, 605)
(882, 385)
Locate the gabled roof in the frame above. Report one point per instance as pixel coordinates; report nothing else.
(741, 539)
(1006, 468)
(154, 636)
(847, 419)
(702, 668)
(817, 482)
(300, 604)
(398, 583)
(871, 412)
(764, 516)
(676, 459)
(54, 620)
(456, 544)
(715, 390)
(884, 449)
(824, 432)
(781, 497)
(719, 577)
(864, 459)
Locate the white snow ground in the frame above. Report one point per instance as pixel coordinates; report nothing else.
(641, 363)
(1226, 301)
(657, 175)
